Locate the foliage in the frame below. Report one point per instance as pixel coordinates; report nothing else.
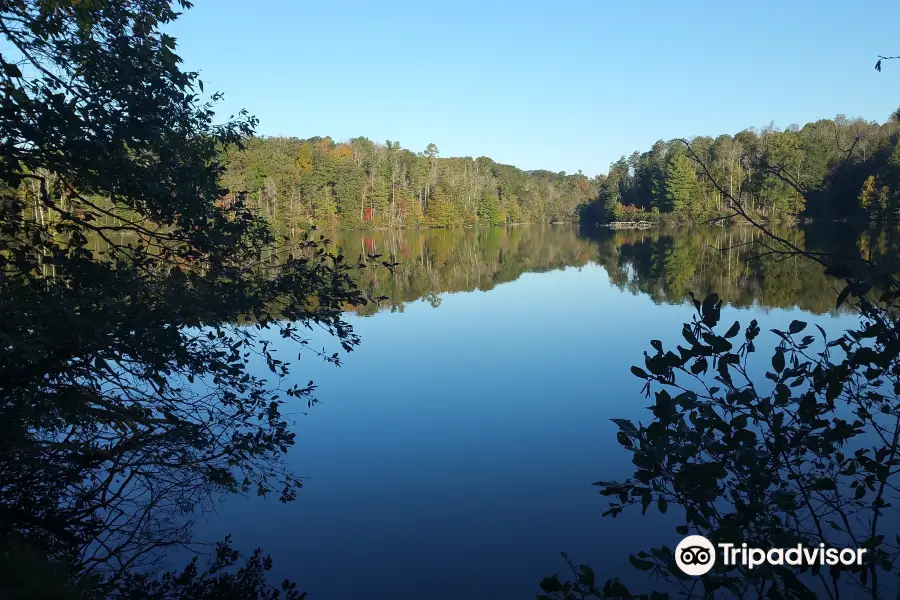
(815, 171)
(372, 185)
(126, 395)
(681, 184)
(220, 581)
(810, 458)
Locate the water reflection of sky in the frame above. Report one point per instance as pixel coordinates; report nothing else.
(453, 451)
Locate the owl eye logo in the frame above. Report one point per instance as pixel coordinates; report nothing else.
(695, 555)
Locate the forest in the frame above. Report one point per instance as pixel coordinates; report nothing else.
(830, 169)
(360, 183)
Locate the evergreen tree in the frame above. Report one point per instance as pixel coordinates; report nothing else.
(440, 212)
(609, 197)
(681, 184)
(489, 209)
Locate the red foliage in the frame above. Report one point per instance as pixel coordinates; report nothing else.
(368, 214)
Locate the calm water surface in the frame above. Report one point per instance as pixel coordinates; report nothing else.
(452, 454)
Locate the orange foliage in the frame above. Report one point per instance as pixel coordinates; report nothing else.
(582, 186)
(344, 151)
(324, 145)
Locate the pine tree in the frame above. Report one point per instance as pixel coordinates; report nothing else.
(440, 211)
(489, 209)
(325, 207)
(681, 184)
(610, 197)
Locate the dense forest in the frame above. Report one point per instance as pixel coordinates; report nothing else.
(830, 169)
(364, 184)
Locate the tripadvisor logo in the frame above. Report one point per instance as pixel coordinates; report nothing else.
(695, 555)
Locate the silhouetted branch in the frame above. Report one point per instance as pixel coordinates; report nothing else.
(881, 58)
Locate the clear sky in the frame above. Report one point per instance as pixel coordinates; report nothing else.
(562, 85)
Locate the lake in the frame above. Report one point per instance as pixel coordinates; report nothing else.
(452, 454)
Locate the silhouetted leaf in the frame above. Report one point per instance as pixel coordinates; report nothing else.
(778, 361)
(733, 330)
(796, 326)
(842, 297)
(639, 563)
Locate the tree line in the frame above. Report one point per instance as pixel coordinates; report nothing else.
(360, 183)
(828, 169)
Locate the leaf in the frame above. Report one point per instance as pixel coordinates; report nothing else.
(778, 361)
(662, 504)
(796, 326)
(640, 563)
(878, 66)
(842, 296)
(823, 484)
(639, 372)
(11, 70)
(733, 330)
(586, 576)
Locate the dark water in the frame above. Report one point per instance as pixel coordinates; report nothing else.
(452, 454)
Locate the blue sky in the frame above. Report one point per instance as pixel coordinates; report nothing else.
(562, 85)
